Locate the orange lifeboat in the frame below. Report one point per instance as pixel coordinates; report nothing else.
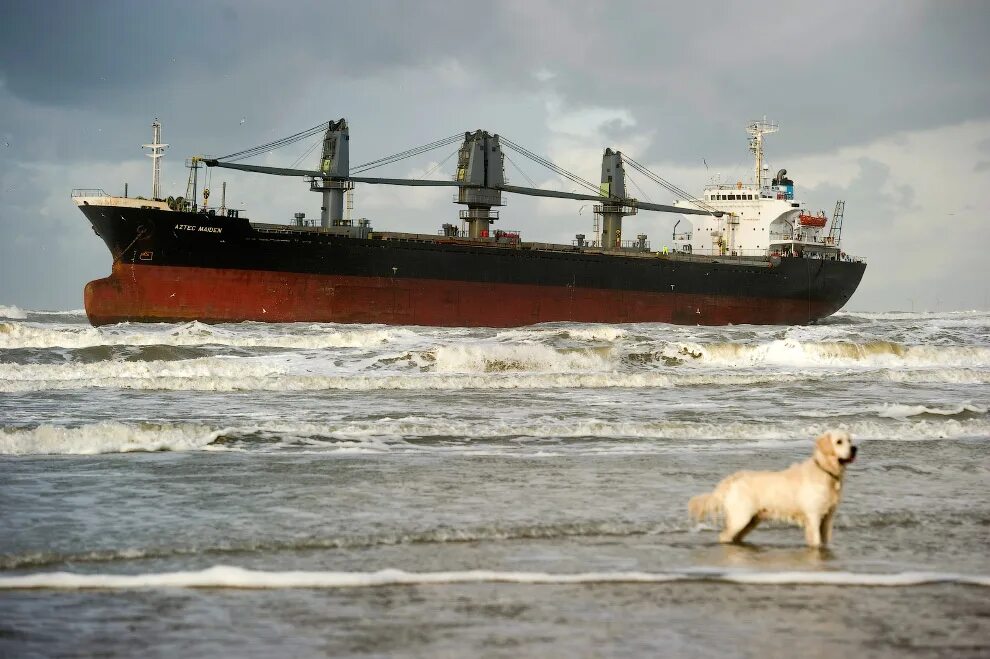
(807, 220)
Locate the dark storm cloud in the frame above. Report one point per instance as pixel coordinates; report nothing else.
(833, 74)
(68, 53)
(74, 53)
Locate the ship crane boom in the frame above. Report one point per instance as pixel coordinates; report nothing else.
(512, 189)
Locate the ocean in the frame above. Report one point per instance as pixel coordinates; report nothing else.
(370, 491)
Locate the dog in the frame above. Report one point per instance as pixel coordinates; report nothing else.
(806, 494)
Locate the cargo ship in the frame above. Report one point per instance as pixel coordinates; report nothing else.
(740, 253)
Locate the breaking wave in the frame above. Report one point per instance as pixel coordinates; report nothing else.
(881, 354)
(905, 411)
(538, 348)
(220, 374)
(12, 312)
(496, 435)
(22, 335)
(223, 576)
(493, 358)
(196, 374)
(107, 437)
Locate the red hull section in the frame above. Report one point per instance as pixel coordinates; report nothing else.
(149, 293)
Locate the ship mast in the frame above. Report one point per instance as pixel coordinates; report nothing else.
(157, 148)
(757, 129)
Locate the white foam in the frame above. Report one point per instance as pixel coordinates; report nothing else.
(26, 335)
(937, 375)
(496, 357)
(107, 437)
(232, 374)
(203, 370)
(591, 333)
(914, 315)
(473, 435)
(15, 313)
(897, 411)
(716, 435)
(64, 312)
(223, 576)
(793, 353)
(290, 372)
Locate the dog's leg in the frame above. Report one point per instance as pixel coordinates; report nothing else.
(737, 526)
(826, 527)
(813, 531)
(753, 523)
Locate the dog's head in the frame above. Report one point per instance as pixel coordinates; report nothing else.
(834, 450)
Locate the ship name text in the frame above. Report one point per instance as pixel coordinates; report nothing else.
(193, 227)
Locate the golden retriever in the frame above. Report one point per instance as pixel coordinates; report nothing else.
(806, 493)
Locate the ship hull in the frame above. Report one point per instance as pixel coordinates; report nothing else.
(173, 266)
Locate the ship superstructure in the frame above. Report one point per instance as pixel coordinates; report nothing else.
(759, 218)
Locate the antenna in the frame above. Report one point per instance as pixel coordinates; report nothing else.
(157, 148)
(757, 129)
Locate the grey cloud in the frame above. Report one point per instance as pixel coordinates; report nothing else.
(834, 74)
(62, 52)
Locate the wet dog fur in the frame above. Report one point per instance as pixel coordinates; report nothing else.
(806, 494)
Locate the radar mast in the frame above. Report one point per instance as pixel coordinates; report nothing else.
(157, 148)
(757, 129)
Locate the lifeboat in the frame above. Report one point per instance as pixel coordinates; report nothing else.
(807, 220)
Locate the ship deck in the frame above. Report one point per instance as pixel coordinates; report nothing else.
(497, 243)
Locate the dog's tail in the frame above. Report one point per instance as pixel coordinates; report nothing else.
(712, 504)
(705, 506)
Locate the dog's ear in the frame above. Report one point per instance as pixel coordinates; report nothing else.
(825, 454)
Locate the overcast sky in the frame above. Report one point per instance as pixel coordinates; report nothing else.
(883, 104)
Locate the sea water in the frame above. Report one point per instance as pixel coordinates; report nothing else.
(364, 490)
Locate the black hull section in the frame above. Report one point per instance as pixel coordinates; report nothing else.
(808, 288)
